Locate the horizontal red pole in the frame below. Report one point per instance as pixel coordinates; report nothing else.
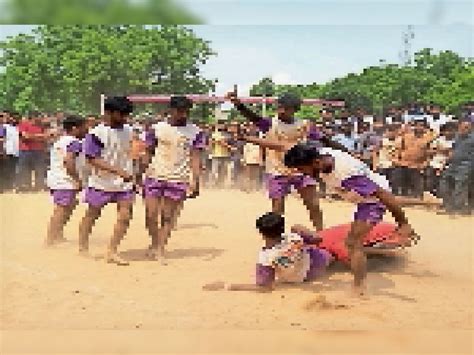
(220, 99)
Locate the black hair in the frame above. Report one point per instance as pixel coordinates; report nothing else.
(271, 225)
(180, 102)
(290, 100)
(465, 119)
(34, 114)
(118, 104)
(72, 121)
(301, 154)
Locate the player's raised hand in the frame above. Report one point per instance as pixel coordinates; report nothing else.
(232, 97)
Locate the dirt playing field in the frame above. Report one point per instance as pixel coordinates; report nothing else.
(429, 287)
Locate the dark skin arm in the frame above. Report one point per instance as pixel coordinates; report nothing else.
(245, 111)
(70, 164)
(102, 165)
(195, 172)
(331, 144)
(219, 285)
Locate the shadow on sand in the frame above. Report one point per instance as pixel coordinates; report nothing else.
(379, 283)
(206, 254)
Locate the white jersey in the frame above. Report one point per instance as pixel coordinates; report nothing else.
(289, 259)
(57, 177)
(117, 144)
(290, 132)
(346, 166)
(252, 154)
(172, 158)
(12, 140)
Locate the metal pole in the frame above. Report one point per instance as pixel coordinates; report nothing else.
(102, 102)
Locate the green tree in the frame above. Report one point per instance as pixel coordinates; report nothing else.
(68, 67)
(63, 12)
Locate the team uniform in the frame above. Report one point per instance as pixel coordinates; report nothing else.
(60, 183)
(169, 172)
(293, 260)
(352, 175)
(113, 145)
(280, 179)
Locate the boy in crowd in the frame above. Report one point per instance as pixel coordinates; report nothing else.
(107, 149)
(172, 168)
(63, 180)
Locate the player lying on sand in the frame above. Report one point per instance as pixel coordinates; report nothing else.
(355, 182)
(285, 257)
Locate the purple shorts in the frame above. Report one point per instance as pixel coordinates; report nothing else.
(99, 198)
(371, 212)
(64, 197)
(162, 188)
(319, 261)
(280, 185)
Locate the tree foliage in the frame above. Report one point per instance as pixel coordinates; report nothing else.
(445, 79)
(63, 12)
(68, 67)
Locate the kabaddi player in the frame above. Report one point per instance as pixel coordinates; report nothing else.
(356, 182)
(280, 179)
(172, 168)
(107, 148)
(285, 257)
(63, 179)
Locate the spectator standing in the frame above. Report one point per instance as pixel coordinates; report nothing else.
(413, 149)
(11, 149)
(441, 149)
(457, 178)
(221, 163)
(32, 157)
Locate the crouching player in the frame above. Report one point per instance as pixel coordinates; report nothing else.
(285, 257)
(172, 168)
(63, 179)
(107, 149)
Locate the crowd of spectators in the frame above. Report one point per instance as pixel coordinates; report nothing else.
(419, 149)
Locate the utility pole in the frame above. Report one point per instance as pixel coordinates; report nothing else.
(405, 54)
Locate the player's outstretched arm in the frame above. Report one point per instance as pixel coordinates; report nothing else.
(244, 110)
(219, 285)
(272, 144)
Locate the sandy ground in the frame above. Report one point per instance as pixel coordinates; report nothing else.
(428, 288)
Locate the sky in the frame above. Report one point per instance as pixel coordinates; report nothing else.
(322, 41)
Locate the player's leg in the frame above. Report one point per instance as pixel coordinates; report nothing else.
(176, 214)
(152, 210)
(56, 224)
(358, 259)
(67, 216)
(311, 201)
(278, 187)
(124, 215)
(169, 208)
(365, 218)
(85, 227)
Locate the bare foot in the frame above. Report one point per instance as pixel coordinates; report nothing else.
(84, 253)
(156, 255)
(60, 240)
(360, 292)
(113, 258)
(48, 243)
